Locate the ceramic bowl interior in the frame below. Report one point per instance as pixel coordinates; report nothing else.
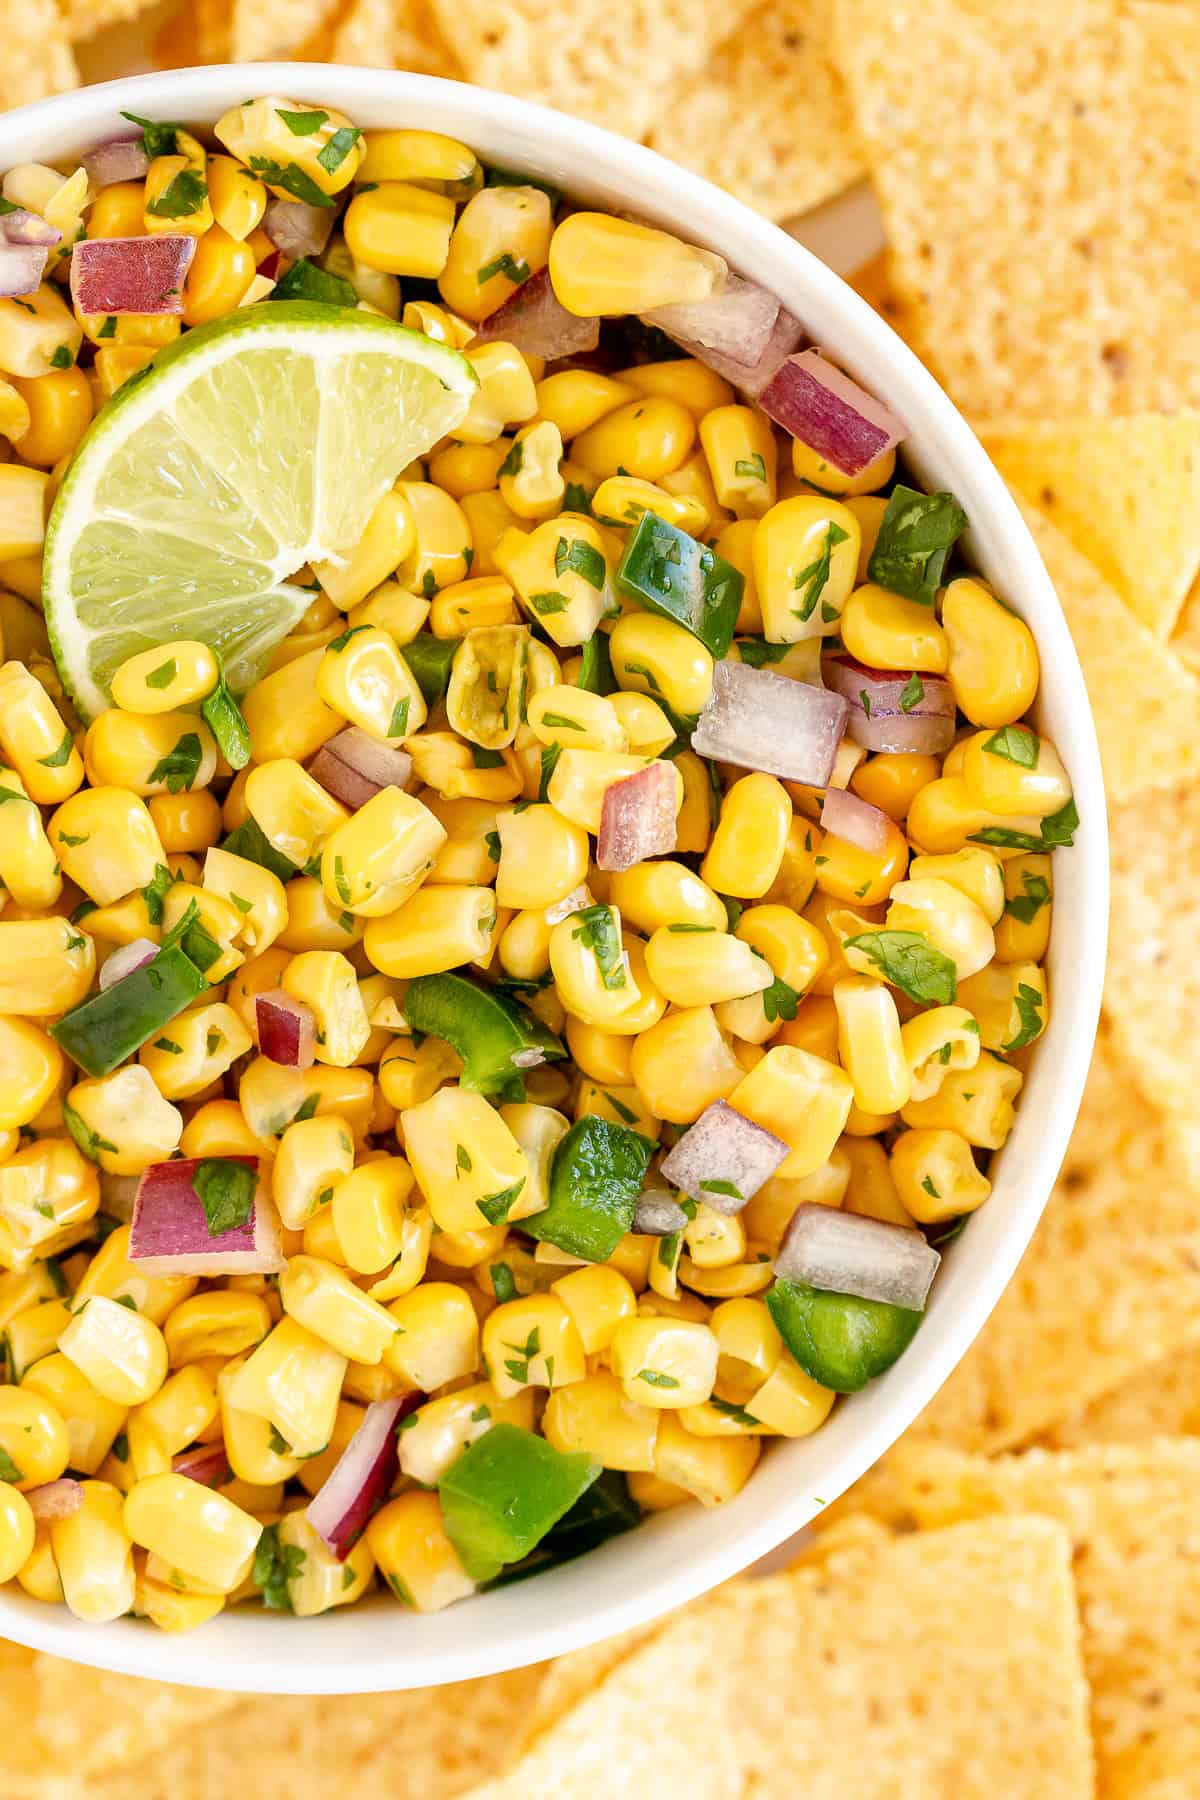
(676, 1555)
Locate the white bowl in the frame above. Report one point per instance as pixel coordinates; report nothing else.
(676, 1555)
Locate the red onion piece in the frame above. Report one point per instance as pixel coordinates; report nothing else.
(21, 269)
(534, 320)
(637, 817)
(206, 1463)
(297, 228)
(354, 766)
(286, 1029)
(759, 720)
(880, 722)
(855, 821)
(170, 1234)
(848, 1253)
(735, 325)
(819, 404)
(117, 159)
(55, 1499)
(124, 961)
(361, 1477)
(131, 275)
(271, 267)
(658, 1215)
(723, 1159)
(23, 227)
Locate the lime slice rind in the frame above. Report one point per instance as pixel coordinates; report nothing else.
(248, 448)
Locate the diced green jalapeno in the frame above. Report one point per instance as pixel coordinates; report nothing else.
(495, 1036)
(841, 1341)
(430, 658)
(505, 1493)
(595, 1180)
(669, 572)
(101, 1032)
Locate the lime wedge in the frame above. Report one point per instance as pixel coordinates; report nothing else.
(250, 447)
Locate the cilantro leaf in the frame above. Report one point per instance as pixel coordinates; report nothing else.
(916, 535)
(180, 766)
(814, 577)
(1029, 1004)
(597, 931)
(225, 1190)
(185, 194)
(1016, 743)
(582, 558)
(910, 962)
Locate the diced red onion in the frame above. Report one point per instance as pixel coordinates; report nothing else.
(22, 227)
(845, 816)
(637, 817)
(361, 1477)
(760, 720)
(117, 1195)
(55, 1499)
(124, 961)
(534, 320)
(735, 325)
(848, 1253)
(21, 269)
(354, 766)
(117, 159)
(880, 722)
(271, 267)
(819, 404)
(287, 1031)
(297, 228)
(170, 1235)
(724, 1158)
(657, 1215)
(206, 1463)
(132, 274)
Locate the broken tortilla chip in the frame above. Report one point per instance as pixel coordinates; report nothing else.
(1033, 165)
(37, 54)
(264, 30)
(393, 34)
(767, 117)
(1163, 1401)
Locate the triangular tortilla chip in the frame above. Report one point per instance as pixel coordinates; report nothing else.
(392, 34)
(1126, 492)
(1163, 1401)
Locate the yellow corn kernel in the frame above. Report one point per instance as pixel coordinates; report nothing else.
(248, 1437)
(469, 605)
(179, 1414)
(993, 664)
(33, 1433)
(237, 198)
(646, 438)
(543, 857)
(748, 845)
(656, 894)
(646, 729)
(809, 466)
(31, 1067)
(125, 1121)
(790, 1401)
(697, 814)
(192, 1528)
(488, 519)
(400, 613)
(218, 1322)
(505, 396)
(976, 872)
(602, 265)
(369, 1212)
(293, 811)
(893, 633)
(436, 1339)
(977, 1103)
(111, 1273)
(92, 1421)
(221, 272)
(438, 323)
(60, 410)
(174, 185)
(871, 1190)
(805, 558)
(1023, 932)
(682, 1064)
(530, 482)
(363, 678)
(314, 1154)
(31, 1335)
(656, 656)
(437, 929)
(115, 363)
(801, 1098)
(388, 539)
(1009, 1004)
(943, 817)
(465, 856)
(488, 680)
(24, 501)
(944, 1038)
(621, 500)
(448, 766)
(892, 782)
(147, 754)
(794, 948)
(205, 1042)
(714, 1240)
(601, 1055)
(596, 1416)
(48, 1193)
(132, 330)
(313, 924)
(854, 875)
(935, 1175)
(749, 1347)
(664, 1363)
(597, 1298)
(293, 1381)
(467, 1162)
(870, 1045)
(117, 211)
(577, 786)
(538, 1129)
(32, 330)
(46, 966)
(739, 446)
(257, 895)
(33, 736)
(285, 714)
(258, 975)
(170, 1606)
(319, 1237)
(620, 1105)
(257, 131)
(121, 1353)
(187, 822)
(38, 1574)
(328, 1304)
(575, 719)
(701, 970)
(441, 1430)
(415, 1557)
(411, 1074)
(443, 540)
(1014, 771)
(94, 1556)
(532, 1342)
(953, 923)
(322, 1581)
(653, 1495)
(567, 590)
(693, 384)
(769, 1211)
(576, 399)
(425, 158)
(593, 976)
(502, 237)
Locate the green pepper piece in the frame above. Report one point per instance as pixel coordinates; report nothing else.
(488, 1030)
(101, 1032)
(669, 572)
(604, 1511)
(841, 1341)
(429, 659)
(505, 1493)
(249, 840)
(595, 1180)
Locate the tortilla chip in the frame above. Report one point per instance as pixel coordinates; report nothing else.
(1126, 492)
(1163, 1401)
(854, 1531)
(614, 62)
(37, 55)
(424, 1745)
(1134, 1520)
(393, 34)
(1145, 703)
(569, 1678)
(767, 118)
(264, 30)
(1185, 639)
(1034, 166)
(1110, 1284)
(84, 18)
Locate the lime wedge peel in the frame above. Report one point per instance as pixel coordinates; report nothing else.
(248, 448)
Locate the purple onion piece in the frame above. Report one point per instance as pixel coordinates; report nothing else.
(848, 1253)
(658, 1215)
(760, 720)
(132, 274)
(206, 1463)
(55, 1499)
(287, 1031)
(297, 228)
(637, 817)
(360, 1479)
(23, 227)
(535, 321)
(21, 269)
(117, 159)
(169, 1234)
(855, 821)
(124, 961)
(735, 325)
(354, 766)
(820, 405)
(895, 717)
(723, 1159)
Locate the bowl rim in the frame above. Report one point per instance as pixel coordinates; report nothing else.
(672, 1557)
